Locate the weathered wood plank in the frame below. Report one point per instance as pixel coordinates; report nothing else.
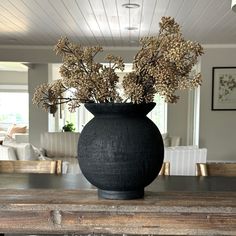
(38, 204)
(216, 169)
(129, 223)
(18, 166)
(80, 211)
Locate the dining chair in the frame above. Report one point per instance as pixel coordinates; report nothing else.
(165, 169)
(43, 166)
(216, 169)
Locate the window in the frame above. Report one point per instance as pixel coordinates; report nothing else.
(159, 114)
(14, 97)
(14, 108)
(71, 117)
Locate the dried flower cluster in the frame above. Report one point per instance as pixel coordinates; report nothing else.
(162, 65)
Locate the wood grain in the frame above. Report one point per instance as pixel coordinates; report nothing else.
(64, 204)
(45, 166)
(80, 211)
(216, 169)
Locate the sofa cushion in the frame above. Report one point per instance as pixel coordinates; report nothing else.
(166, 139)
(23, 151)
(60, 144)
(7, 153)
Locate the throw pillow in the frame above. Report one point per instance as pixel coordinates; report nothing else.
(16, 129)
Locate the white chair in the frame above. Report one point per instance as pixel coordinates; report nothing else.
(183, 159)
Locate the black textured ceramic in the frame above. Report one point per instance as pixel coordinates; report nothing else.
(120, 151)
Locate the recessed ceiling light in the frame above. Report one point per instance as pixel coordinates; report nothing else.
(130, 5)
(131, 28)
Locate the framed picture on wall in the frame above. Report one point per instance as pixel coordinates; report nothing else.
(223, 88)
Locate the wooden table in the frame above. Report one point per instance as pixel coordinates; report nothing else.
(175, 205)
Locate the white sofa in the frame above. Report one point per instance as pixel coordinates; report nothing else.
(61, 146)
(56, 145)
(11, 150)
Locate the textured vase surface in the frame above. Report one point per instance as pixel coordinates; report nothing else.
(120, 151)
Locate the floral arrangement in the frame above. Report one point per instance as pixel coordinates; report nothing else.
(162, 65)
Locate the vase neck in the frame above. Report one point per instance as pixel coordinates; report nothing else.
(119, 109)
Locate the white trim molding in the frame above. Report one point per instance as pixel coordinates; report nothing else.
(219, 45)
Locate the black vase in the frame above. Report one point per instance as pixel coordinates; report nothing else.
(120, 151)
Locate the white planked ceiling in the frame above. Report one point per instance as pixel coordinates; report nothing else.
(104, 22)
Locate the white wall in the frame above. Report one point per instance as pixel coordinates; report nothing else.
(45, 54)
(14, 77)
(217, 128)
(33, 54)
(177, 117)
(38, 119)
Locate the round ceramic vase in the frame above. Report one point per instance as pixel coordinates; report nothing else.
(120, 151)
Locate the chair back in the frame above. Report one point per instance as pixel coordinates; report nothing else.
(216, 169)
(43, 166)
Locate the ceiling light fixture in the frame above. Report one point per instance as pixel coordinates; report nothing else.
(130, 5)
(131, 28)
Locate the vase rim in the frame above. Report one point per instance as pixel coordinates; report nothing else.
(120, 108)
(118, 103)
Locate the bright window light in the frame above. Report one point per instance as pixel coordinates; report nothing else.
(14, 108)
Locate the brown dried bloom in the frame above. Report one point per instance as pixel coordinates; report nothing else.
(166, 59)
(162, 65)
(48, 96)
(140, 89)
(87, 80)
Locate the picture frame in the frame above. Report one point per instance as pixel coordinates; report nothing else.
(223, 88)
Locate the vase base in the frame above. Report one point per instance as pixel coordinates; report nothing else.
(120, 195)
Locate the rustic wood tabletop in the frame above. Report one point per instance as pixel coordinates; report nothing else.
(68, 204)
